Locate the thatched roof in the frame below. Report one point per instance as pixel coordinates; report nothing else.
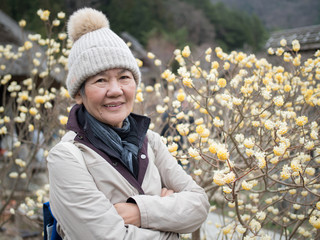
(309, 37)
(12, 34)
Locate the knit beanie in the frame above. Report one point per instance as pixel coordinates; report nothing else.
(96, 48)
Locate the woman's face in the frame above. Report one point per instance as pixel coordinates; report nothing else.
(109, 96)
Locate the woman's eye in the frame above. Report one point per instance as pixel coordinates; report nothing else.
(100, 80)
(124, 77)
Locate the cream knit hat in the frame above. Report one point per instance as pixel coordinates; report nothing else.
(96, 48)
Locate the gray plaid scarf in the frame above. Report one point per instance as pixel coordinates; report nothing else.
(123, 141)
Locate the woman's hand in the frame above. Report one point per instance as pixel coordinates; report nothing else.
(166, 192)
(129, 212)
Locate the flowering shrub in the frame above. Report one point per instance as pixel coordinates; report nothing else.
(32, 113)
(246, 130)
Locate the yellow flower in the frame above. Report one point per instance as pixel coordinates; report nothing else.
(296, 61)
(39, 99)
(56, 22)
(187, 82)
(205, 133)
(255, 123)
(261, 216)
(227, 190)
(222, 82)
(292, 191)
(309, 145)
(302, 120)
(295, 45)
(279, 150)
(61, 15)
(149, 89)
(139, 62)
(63, 36)
(171, 77)
(229, 177)
(193, 152)
(213, 148)
(269, 124)
(249, 152)
(183, 129)
(270, 51)
(285, 173)
(283, 42)
(166, 74)
(173, 147)
(295, 166)
(63, 120)
(226, 66)
(226, 230)
(13, 175)
(208, 58)
(222, 153)
(186, 51)
(248, 143)
(45, 15)
(33, 111)
(3, 130)
(181, 96)
(157, 62)
(278, 101)
(30, 128)
(192, 137)
(27, 45)
(315, 221)
(197, 172)
(240, 229)
(261, 163)
(22, 23)
(246, 186)
(318, 205)
(150, 55)
(287, 88)
(217, 122)
(203, 110)
(200, 128)
(279, 51)
(199, 121)
(218, 179)
(139, 97)
(215, 65)
(160, 109)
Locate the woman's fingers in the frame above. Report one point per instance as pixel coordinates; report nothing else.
(166, 192)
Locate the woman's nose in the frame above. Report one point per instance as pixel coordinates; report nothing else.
(114, 89)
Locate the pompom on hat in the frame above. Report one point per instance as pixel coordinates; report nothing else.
(96, 48)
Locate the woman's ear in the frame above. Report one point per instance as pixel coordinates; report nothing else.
(78, 98)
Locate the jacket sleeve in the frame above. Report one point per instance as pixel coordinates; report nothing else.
(82, 211)
(182, 212)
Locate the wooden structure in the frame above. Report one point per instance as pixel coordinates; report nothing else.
(308, 37)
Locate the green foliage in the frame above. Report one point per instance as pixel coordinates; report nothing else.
(21, 9)
(233, 29)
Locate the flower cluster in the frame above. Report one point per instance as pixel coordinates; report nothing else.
(253, 128)
(32, 110)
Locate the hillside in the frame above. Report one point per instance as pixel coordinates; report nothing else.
(280, 14)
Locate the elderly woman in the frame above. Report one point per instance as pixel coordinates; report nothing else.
(119, 181)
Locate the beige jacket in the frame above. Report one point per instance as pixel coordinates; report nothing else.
(82, 197)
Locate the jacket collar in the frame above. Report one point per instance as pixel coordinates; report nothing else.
(143, 160)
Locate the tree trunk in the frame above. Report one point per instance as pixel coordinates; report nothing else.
(196, 234)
